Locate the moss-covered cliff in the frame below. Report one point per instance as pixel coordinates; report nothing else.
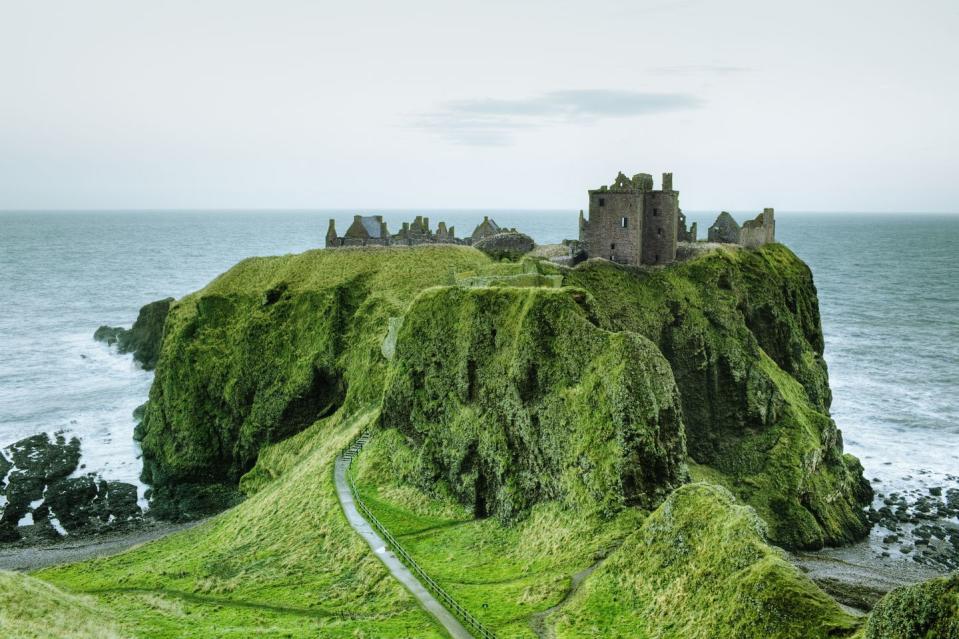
(741, 331)
(514, 396)
(263, 352)
(928, 609)
(517, 394)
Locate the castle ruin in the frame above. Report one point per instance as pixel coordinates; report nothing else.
(371, 230)
(753, 233)
(631, 222)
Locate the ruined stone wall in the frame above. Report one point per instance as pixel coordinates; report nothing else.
(724, 230)
(759, 231)
(660, 220)
(614, 228)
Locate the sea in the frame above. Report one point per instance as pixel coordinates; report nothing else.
(888, 290)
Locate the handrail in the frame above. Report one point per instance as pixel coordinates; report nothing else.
(349, 453)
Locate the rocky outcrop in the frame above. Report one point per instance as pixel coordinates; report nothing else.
(510, 245)
(927, 609)
(741, 331)
(40, 473)
(263, 352)
(513, 396)
(144, 337)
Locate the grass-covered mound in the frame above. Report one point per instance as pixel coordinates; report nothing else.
(33, 609)
(926, 610)
(741, 331)
(510, 577)
(284, 563)
(699, 567)
(265, 350)
(513, 396)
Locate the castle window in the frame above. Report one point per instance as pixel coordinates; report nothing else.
(659, 231)
(612, 246)
(656, 258)
(625, 222)
(655, 212)
(602, 201)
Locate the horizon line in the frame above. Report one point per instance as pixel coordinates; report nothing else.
(362, 210)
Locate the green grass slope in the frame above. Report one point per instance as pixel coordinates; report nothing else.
(284, 563)
(699, 568)
(742, 334)
(564, 408)
(509, 577)
(33, 609)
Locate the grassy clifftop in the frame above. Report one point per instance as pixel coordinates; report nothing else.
(264, 351)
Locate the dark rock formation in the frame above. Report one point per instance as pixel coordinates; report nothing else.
(5, 466)
(40, 470)
(144, 337)
(87, 503)
(510, 245)
(38, 461)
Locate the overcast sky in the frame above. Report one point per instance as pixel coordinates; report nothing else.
(813, 105)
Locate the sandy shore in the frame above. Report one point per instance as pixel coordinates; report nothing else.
(28, 557)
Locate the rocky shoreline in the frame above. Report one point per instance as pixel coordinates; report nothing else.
(919, 525)
(34, 552)
(857, 576)
(41, 489)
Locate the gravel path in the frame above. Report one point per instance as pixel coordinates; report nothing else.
(393, 564)
(28, 558)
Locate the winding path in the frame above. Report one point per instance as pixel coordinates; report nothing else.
(393, 564)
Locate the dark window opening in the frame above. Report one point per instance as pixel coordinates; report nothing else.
(655, 212)
(602, 201)
(612, 246)
(659, 231)
(656, 258)
(625, 222)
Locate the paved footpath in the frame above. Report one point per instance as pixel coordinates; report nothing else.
(393, 564)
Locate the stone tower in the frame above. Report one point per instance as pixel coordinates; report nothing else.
(631, 223)
(659, 224)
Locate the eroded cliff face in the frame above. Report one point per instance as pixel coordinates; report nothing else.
(741, 331)
(514, 396)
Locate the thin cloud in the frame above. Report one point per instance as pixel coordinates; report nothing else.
(494, 122)
(699, 69)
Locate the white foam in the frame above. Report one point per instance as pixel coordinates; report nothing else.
(58, 527)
